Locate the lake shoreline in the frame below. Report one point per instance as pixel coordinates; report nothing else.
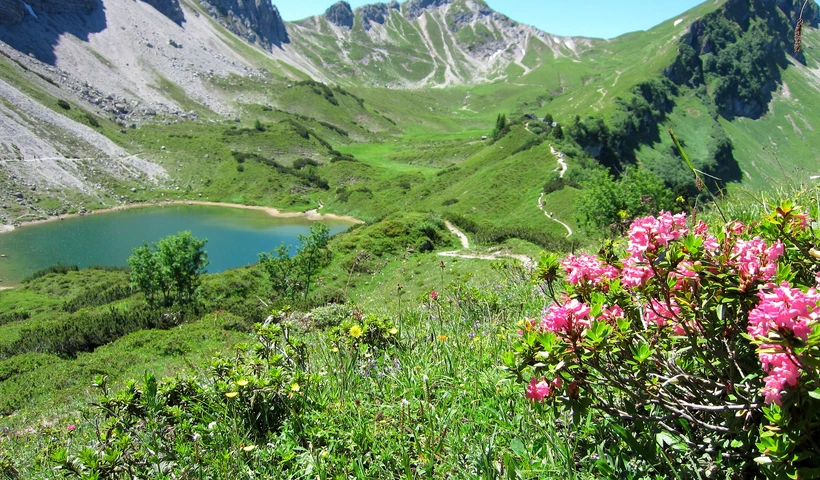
(312, 215)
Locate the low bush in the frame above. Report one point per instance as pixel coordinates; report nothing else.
(57, 269)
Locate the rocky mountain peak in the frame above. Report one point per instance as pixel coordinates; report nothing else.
(257, 21)
(340, 14)
(415, 8)
(377, 13)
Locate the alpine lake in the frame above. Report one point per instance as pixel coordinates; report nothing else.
(235, 237)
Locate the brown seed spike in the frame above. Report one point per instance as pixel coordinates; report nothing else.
(798, 36)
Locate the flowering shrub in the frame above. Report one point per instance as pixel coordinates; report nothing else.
(707, 340)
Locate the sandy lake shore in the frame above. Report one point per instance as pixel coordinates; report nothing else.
(273, 212)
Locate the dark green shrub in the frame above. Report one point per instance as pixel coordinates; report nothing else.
(63, 104)
(56, 269)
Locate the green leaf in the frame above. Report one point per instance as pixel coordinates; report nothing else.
(736, 444)
(517, 446)
(815, 394)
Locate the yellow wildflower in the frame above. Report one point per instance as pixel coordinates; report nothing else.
(356, 331)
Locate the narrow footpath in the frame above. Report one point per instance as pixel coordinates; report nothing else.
(465, 244)
(561, 169)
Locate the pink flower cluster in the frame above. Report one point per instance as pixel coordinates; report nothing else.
(636, 272)
(587, 268)
(784, 310)
(782, 370)
(755, 260)
(647, 234)
(569, 319)
(538, 390)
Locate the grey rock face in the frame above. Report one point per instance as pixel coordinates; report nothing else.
(257, 21)
(169, 8)
(340, 14)
(377, 13)
(11, 12)
(416, 7)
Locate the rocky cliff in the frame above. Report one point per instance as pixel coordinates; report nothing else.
(169, 8)
(377, 13)
(257, 21)
(340, 14)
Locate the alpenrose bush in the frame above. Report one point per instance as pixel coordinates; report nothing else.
(707, 341)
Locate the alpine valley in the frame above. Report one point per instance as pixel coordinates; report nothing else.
(463, 142)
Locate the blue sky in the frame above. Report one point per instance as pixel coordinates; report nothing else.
(590, 18)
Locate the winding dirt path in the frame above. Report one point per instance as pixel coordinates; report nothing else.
(562, 162)
(465, 243)
(550, 215)
(562, 166)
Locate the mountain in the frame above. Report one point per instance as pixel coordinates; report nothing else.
(110, 101)
(421, 43)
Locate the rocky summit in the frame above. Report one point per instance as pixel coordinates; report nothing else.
(257, 21)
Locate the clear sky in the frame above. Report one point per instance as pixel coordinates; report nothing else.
(589, 18)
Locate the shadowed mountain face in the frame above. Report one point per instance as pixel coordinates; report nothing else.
(340, 14)
(39, 33)
(257, 21)
(169, 8)
(12, 11)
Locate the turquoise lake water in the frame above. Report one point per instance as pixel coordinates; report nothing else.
(235, 237)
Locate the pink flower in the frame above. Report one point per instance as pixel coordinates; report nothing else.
(817, 279)
(433, 295)
(781, 369)
(735, 227)
(71, 427)
(755, 260)
(683, 272)
(658, 313)
(612, 314)
(569, 319)
(587, 268)
(650, 233)
(538, 390)
(785, 309)
(635, 273)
